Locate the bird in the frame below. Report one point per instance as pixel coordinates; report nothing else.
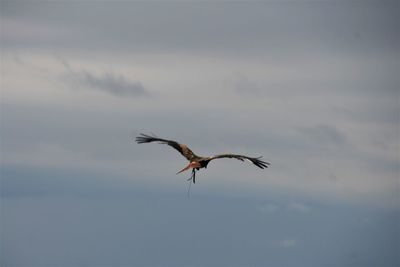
(197, 162)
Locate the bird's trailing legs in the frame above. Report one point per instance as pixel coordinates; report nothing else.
(193, 177)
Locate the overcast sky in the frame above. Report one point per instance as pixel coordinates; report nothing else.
(312, 86)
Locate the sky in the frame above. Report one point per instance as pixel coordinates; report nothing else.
(311, 86)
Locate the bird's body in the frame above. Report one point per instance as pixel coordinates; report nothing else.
(197, 162)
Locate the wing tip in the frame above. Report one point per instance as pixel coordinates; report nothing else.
(260, 163)
(144, 138)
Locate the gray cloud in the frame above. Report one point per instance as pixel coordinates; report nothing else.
(107, 82)
(325, 133)
(244, 86)
(116, 223)
(276, 30)
(287, 243)
(268, 208)
(298, 207)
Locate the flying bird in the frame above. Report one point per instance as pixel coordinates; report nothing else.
(198, 162)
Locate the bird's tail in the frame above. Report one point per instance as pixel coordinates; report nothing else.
(184, 169)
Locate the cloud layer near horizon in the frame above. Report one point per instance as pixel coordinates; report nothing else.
(313, 136)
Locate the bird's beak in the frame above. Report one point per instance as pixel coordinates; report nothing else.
(184, 169)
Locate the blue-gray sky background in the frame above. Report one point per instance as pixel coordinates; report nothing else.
(313, 86)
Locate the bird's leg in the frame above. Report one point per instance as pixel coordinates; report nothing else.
(193, 176)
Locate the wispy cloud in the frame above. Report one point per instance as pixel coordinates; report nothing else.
(324, 133)
(298, 207)
(108, 82)
(244, 86)
(268, 208)
(287, 243)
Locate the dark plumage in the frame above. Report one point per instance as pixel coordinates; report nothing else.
(197, 162)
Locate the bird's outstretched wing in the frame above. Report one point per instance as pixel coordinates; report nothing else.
(256, 161)
(183, 149)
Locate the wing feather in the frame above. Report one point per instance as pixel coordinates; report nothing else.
(183, 149)
(256, 161)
